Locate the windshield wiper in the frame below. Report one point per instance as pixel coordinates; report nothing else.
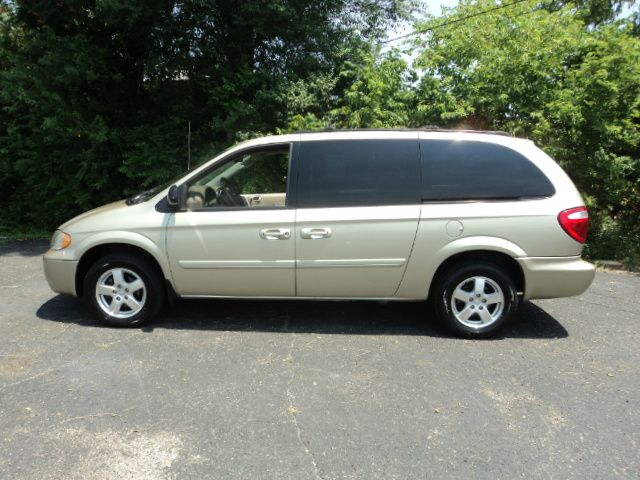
(141, 197)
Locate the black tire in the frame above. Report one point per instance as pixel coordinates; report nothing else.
(150, 297)
(485, 314)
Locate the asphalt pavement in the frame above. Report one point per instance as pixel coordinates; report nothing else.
(315, 390)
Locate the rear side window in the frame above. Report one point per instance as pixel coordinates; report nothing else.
(347, 173)
(468, 170)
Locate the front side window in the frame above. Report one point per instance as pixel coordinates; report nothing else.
(252, 179)
(346, 173)
(472, 170)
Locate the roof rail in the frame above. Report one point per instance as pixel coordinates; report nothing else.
(428, 128)
(464, 130)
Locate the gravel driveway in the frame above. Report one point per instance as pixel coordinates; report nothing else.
(323, 390)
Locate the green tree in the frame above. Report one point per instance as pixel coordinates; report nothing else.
(553, 76)
(379, 94)
(95, 96)
(375, 91)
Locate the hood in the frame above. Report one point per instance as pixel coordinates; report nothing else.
(85, 219)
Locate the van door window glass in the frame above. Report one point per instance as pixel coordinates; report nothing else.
(469, 170)
(343, 173)
(257, 178)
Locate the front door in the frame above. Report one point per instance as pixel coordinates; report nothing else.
(235, 236)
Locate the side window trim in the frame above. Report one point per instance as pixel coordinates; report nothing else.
(292, 178)
(236, 154)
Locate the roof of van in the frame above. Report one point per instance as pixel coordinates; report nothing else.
(501, 138)
(420, 129)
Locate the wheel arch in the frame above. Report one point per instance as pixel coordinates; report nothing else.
(498, 258)
(91, 255)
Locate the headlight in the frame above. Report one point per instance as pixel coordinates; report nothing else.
(60, 240)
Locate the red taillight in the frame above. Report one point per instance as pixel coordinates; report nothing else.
(575, 221)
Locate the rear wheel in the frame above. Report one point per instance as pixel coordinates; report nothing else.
(475, 300)
(123, 290)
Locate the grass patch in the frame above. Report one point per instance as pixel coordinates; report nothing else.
(9, 234)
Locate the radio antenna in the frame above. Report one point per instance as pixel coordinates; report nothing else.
(189, 148)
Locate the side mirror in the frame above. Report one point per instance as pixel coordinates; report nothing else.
(176, 196)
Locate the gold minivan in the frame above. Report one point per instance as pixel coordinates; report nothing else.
(475, 221)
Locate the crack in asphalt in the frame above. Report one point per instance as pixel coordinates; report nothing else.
(612, 307)
(28, 379)
(292, 411)
(140, 382)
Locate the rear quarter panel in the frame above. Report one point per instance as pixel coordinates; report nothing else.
(520, 228)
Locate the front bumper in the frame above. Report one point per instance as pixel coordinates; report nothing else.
(552, 277)
(61, 274)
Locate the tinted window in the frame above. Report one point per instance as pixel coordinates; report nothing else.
(459, 170)
(359, 173)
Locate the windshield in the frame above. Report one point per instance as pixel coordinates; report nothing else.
(150, 193)
(147, 194)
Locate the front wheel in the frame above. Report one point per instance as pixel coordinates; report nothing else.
(123, 290)
(475, 300)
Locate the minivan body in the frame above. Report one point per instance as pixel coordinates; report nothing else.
(365, 214)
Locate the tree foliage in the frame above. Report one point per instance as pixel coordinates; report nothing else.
(95, 96)
(375, 92)
(553, 76)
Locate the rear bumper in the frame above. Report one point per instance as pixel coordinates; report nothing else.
(552, 277)
(61, 275)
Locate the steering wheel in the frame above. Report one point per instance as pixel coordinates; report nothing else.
(227, 196)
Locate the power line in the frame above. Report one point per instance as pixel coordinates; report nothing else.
(450, 22)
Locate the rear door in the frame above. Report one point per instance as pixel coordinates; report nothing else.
(358, 208)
